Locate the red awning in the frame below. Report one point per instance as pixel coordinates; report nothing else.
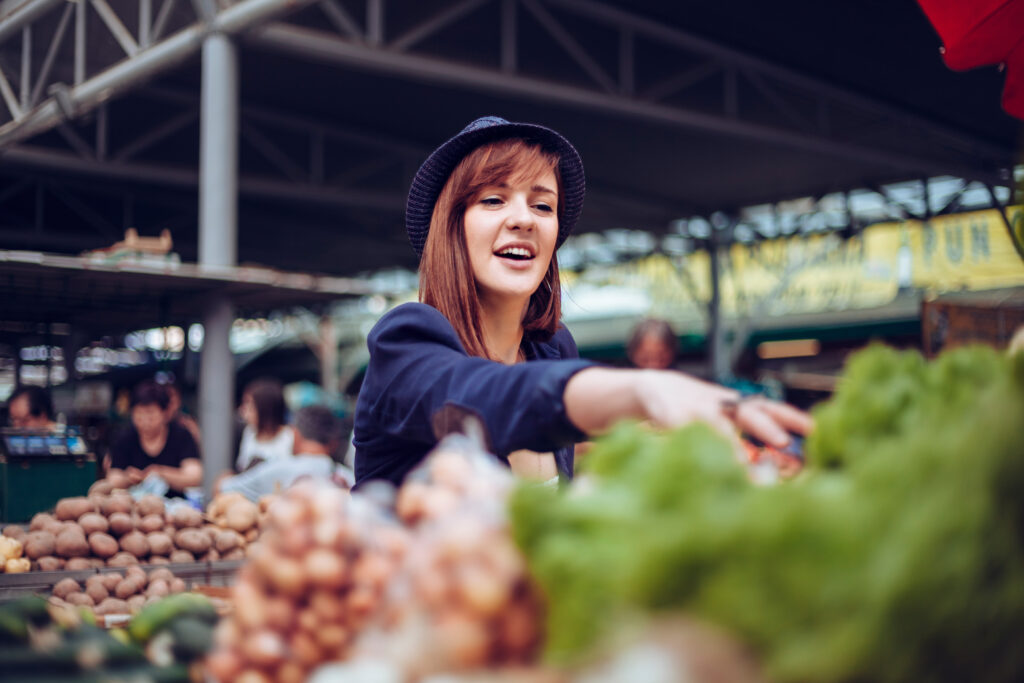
(981, 32)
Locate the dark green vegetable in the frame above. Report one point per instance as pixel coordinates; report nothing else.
(896, 556)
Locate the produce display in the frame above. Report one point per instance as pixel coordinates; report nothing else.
(115, 593)
(462, 599)
(110, 528)
(50, 641)
(335, 576)
(312, 581)
(896, 555)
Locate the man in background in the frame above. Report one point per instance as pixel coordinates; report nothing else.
(30, 408)
(318, 437)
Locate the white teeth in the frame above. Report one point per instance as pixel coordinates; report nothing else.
(515, 251)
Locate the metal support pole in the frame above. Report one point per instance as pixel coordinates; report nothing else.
(26, 66)
(216, 392)
(80, 42)
(218, 229)
(218, 153)
(719, 358)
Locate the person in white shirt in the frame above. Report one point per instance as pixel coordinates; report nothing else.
(266, 437)
(318, 436)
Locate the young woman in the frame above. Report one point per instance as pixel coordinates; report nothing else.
(486, 212)
(265, 436)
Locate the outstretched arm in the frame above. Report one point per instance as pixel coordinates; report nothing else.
(596, 398)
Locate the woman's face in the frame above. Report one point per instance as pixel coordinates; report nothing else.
(150, 420)
(247, 411)
(511, 230)
(652, 353)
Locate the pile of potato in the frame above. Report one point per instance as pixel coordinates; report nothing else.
(114, 593)
(110, 528)
(11, 561)
(317, 574)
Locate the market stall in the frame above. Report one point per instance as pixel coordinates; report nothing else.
(893, 552)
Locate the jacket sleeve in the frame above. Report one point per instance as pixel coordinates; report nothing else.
(418, 365)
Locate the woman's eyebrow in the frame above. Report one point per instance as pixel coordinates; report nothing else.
(541, 188)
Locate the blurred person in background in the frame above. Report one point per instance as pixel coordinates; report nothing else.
(156, 445)
(319, 436)
(652, 345)
(265, 436)
(31, 408)
(175, 414)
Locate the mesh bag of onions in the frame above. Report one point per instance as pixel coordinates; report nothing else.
(313, 580)
(462, 599)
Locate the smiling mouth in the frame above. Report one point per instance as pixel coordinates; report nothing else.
(515, 254)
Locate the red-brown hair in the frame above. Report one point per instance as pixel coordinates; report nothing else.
(446, 276)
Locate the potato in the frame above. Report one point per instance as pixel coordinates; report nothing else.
(128, 587)
(72, 543)
(18, 565)
(159, 543)
(121, 523)
(151, 523)
(96, 562)
(122, 559)
(136, 603)
(92, 522)
(236, 554)
(176, 585)
(15, 531)
(241, 516)
(110, 580)
(82, 599)
(186, 517)
(227, 540)
(77, 564)
(159, 588)
(40, 521)
(118, 479)
(112, 606)
(150, 505)
(135, 542)
(252, 535)
(97, 591)
(211, 555)
(158, 559)
(70, 509)
(137, 573)
(161, 573)
(193, 540)
(118, 502)
(65, 587)
(49, 563)
(103, 545)
(102, 487)
(181, 556)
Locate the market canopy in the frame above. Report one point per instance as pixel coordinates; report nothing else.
(678, 109)
(108, 298)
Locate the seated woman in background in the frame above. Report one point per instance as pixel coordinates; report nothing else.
(155, 445)
(318, 437)
(266, 436)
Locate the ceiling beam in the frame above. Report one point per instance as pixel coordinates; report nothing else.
(141, 67)
(327, 48)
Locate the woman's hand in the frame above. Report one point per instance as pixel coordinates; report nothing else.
(596, 398)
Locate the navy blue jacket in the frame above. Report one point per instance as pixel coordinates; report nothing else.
(418, 365)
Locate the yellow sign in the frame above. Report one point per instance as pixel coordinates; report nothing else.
(820, 273)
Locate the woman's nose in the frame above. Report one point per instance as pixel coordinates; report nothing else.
(520, 217)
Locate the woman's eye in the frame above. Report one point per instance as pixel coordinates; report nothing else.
(490, 201)
(543, 207)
